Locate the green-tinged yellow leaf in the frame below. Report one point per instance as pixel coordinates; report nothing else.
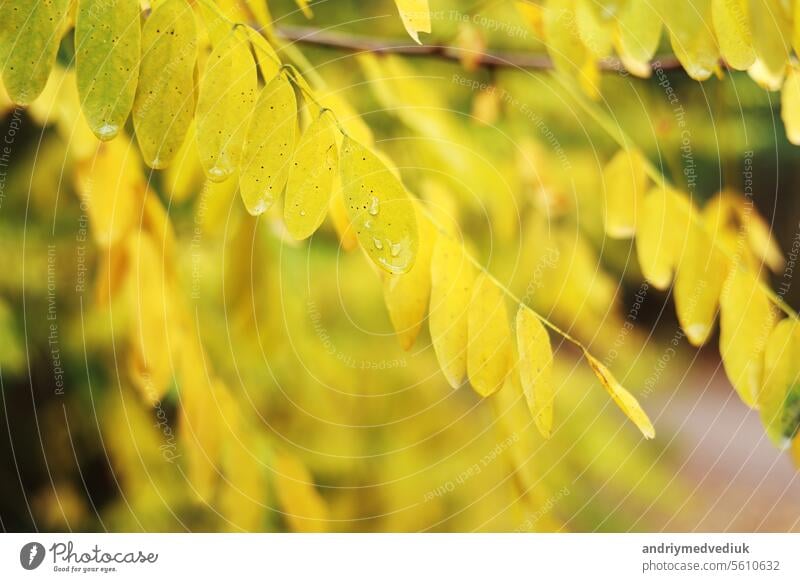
(790, 105)
(416, 17)
(661, 234)
(779, 397)
(771, 26)
(29, 39)
(535, 363)
(227, 96)
(107, 52)
(379, 208)
(732, 25)
(407, 295)
(216, 25)
(638, 34)
(625, 182)
(452, 280)
(624, 399)
(111, 186)
(746, 321)
(691, 32)
(302, 505)
(165, 98)
(311, 176)
(268, 146)
(489, 353)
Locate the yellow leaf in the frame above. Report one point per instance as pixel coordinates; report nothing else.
(701, 273)
(216, 26)
(790, 105)
(731, 218)
(564, 45)
(595, 32)
(625, 181)
(638, 34)
(156, 222)
(535, 364)
(771, 27)
(661, 230)
(489, 337)
(152, 310)
(452, 280)
(227, 95)
(732, 25)
(746, 320)
(29, 39)
(165, 99)
(107, 51)
(111, 186)
(689, 24)
(310, 184)
(303, 507)
(379, 208)
(416, 16)
(199, 424)
(624, 399)
(779, 395)
(305, 8)
(407, 295)
(243, 493)
(60, 100)
(268, 146)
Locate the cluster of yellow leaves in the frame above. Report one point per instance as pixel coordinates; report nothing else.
(757, 36)
(89, 106)
(241, 125)
(472, 336)
(716, 257)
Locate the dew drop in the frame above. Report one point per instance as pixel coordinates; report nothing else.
(374, 206)
(378, 244)
(107, 131)
(259, 207)
(218, 174)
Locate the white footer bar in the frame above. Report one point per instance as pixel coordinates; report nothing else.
(401, 557)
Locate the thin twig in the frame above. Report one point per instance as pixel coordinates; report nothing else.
(511, 59)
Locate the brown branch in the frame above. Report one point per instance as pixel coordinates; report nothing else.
(520, 60)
